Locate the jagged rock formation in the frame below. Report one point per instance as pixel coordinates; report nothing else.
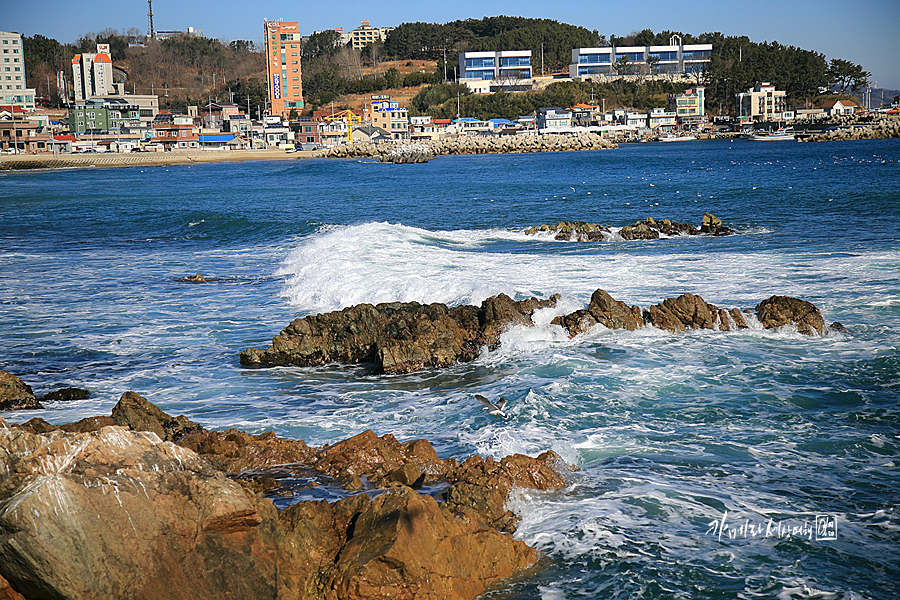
(648, 229)
(689, 311)
(396, 337)
(173, 526)
(405, 337)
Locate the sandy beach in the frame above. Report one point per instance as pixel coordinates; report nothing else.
(136, 159)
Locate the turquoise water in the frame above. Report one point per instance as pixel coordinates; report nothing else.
(679, 438)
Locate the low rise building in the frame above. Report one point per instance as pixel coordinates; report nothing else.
(761, 103)
(689, 106)
(676, 58)
(104, 117)
(662, 120)
(836, 108)
(488, 72)
(390, 116)
(366, 35)
(553, 118)
(180, 134)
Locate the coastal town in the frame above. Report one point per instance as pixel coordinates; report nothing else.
(101, 116)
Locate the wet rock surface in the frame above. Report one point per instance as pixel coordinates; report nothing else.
(174, 526)
(396, 337)
(689, 311)
(648, 229)
(406, 337)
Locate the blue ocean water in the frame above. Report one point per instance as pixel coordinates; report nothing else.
(747, 464)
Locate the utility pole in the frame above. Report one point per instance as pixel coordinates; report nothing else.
(542, 59)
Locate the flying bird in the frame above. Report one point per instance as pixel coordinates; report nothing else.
(494, 409)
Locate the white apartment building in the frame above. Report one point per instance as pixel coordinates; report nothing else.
(12, 72)
(92, 74)
(762, 103)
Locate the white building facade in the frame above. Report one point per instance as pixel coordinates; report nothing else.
(92, 74)
(12, 72)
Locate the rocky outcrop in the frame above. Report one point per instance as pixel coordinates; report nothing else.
(778, 311)
(406, 337)
(396, 337)
(173, 526)
(648, 229)
(479, 145)
(689, 311)
(16, 394)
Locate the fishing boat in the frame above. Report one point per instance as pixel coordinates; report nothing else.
(671, 137)
(780, 134)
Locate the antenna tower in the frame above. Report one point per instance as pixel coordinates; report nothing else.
(151, 33)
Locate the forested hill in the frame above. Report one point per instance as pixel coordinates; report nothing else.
(427, 41)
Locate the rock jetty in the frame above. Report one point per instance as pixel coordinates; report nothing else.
(648, 229)
(406, 337)
(175, 526)
(870, 127)
(479, 145)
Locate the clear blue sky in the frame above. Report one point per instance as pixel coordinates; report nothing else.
(862, 31)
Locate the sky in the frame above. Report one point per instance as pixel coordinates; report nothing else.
(863, 31)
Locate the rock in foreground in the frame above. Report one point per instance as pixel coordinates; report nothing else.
(173, 526)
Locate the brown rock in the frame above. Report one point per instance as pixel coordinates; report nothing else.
(405, 547)
(171, 527)
(136, 413)
(603, 309)
(712, 225)
(685, 312)
(783, 310)
(15, 394)
(396, 337)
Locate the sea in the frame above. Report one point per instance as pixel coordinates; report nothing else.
(710, 464)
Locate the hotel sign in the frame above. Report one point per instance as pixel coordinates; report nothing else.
(276, 86)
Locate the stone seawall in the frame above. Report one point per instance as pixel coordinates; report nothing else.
(860, 128)
(471, 145)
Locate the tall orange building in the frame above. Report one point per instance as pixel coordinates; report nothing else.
(283, 67)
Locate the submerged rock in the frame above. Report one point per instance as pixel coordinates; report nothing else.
(66, 395)
(174, 527)
(396, 337)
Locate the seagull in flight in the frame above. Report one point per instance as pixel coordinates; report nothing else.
(495, 409)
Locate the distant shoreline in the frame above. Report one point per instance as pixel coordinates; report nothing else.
(17, 162)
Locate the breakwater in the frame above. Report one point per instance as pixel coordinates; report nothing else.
(481, 145)
(860, 128)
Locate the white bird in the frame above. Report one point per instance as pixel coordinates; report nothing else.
(493, 409)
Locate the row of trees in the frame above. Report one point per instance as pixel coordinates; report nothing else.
(544, 37)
